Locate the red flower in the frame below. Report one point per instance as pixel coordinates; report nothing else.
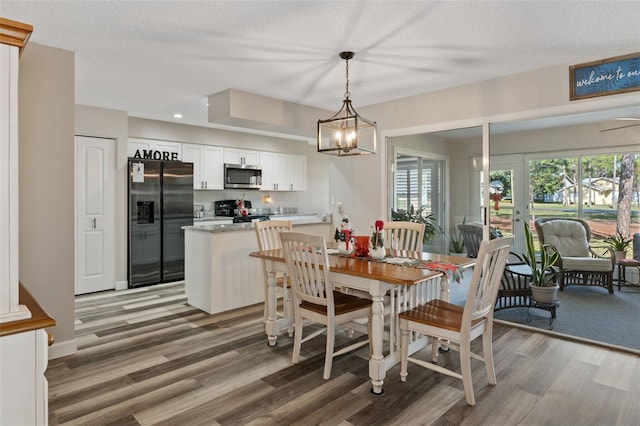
(379, 225)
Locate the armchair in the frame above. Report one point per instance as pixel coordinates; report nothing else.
(577, 264)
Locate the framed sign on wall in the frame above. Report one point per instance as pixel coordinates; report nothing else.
(605, 77)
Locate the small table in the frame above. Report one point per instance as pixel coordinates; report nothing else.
(623, 264)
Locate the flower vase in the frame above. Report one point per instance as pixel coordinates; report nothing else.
(378, 252)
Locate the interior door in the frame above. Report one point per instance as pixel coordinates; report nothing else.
(508, 197)
(95, 214)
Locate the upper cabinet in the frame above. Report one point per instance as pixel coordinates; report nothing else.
(241, 156)
(297, 173)
(280, 172)
(208, 167)
(150, 149)
(283, 172)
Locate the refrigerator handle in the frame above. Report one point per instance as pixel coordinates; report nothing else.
(93, 224)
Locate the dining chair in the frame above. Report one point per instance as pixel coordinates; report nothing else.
(455, 327)
(578, 263)
(405, 236)
(268, 234)
(315, 298)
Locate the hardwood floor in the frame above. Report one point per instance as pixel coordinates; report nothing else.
(147, 358)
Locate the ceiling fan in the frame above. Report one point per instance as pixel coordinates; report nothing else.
(625, 126)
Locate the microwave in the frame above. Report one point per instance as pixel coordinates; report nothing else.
(242, 176)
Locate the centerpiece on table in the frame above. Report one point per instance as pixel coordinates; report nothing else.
(377, 241)
(543, 287)
(344, 236)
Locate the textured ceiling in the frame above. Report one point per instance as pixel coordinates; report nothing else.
(155, 58)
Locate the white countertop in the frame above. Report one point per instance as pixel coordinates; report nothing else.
(310, 220)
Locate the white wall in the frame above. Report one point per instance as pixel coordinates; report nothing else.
(46, 111)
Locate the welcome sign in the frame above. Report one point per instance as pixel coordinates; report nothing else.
(605, 77)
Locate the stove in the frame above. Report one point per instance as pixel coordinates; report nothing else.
(229, 208)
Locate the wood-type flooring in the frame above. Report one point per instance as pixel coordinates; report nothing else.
(146, 357)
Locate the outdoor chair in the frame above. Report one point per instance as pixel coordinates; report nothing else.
(514, 289)
(456, 327)
(472, 237)
(578, 263)
(315, 298)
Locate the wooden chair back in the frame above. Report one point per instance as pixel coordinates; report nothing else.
(406, 236)
(308, 267)
(485, 281)
(268, 233)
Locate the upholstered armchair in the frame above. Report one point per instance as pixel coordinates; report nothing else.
(578, 263)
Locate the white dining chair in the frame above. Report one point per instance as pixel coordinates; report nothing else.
(315, 298)
(268, 234)
(456, 327)
(404, 236)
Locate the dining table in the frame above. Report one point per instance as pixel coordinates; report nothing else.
(395, 283)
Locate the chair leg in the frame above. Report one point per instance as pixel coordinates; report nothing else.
(487, 353)
(404, 349)
(465, 367)
(328, 356)
(297, 336)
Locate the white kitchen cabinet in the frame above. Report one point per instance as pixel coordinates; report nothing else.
(283, 172)
(241, 156)
(208, 167)
(297, 173)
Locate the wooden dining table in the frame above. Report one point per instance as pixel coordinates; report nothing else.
(394, 276)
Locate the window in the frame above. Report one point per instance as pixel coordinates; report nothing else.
(418, 182)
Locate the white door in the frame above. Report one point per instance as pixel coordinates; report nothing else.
(95, 214)
(508, 208)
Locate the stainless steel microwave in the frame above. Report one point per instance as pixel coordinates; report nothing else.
(242, 176)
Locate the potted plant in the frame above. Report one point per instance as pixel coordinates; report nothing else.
(619, 244)
(418, 216)
(543, 288)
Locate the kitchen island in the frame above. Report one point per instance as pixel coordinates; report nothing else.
(219, 274)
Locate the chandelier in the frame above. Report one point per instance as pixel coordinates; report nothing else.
(347, 132)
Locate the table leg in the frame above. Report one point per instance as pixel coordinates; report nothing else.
(271, 326)
(444, 289)
(377, 369)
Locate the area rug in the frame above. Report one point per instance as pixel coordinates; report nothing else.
(590, 313)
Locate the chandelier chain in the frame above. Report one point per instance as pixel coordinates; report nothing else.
(347, 93)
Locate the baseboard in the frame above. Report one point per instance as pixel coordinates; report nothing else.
(58, 350)
(122, 285)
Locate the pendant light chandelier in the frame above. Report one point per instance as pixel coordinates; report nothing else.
(347, 132)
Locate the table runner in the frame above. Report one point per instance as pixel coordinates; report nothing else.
(454, 271)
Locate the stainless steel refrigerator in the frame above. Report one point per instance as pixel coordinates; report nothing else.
(160, 204)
